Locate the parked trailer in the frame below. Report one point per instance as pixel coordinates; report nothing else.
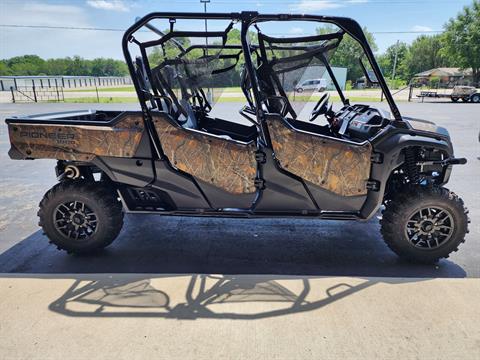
(464, 93)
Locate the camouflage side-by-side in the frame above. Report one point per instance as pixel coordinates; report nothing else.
(332, 165)
(224, 163)
(77, 142)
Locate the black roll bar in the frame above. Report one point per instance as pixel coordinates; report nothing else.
(247, 19)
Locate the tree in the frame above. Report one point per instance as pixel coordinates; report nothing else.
(34, 65)
(425, 53)
(108, 67)
(229, 78)
(25, 65)
(387, 60)
(4, 69)
(462, 39)
(348, 52)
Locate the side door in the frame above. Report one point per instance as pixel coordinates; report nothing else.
(335, 171)
(224, 169)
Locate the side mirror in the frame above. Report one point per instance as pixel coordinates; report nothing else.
(368, 74)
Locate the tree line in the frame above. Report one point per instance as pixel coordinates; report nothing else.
(70, 66)
(457, 46)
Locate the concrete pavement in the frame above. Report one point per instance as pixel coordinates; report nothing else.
(237, 317)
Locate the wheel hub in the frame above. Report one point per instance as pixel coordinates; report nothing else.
(75, 220)
(78, 219)
(429, 227)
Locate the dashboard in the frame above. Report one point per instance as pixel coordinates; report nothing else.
(360, 122)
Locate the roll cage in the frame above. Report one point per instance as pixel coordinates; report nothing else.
(176, 158)
(260, 85)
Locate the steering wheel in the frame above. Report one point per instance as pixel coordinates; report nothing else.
(321, 107)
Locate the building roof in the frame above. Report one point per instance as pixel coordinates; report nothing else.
(444, 71)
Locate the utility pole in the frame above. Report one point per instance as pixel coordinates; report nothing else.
(395, 61)
(205, 2)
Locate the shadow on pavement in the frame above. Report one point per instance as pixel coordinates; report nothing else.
(191, 297)
(204, 296)
(112, 283)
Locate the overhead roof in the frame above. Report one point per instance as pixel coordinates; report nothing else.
(445, 71)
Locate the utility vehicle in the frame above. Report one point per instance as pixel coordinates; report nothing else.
(292, 156)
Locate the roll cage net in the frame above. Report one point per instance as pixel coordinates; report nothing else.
(291, 71)
(182, 70)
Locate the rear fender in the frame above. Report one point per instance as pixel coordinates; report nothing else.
(134, 172)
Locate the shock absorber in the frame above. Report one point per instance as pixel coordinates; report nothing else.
(411, 166)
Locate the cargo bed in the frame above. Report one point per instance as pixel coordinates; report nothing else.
(75, 135)
(81, 117)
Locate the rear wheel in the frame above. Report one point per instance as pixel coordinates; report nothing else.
(80, 216)
(299, 90)
(475, 98)
(424, 224)
(466, 99)
(455, 99)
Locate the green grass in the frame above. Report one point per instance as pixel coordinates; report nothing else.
(132, 89)
(232, 99)
(357, 99)
(120, 100)
(353, 99)
(236, 99)
(232, 90)
(108, 89)
(112, 100)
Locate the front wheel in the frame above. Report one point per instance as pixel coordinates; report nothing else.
(475, 98)
(80, 216)
(424, 224)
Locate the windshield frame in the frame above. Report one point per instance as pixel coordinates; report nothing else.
(349, 26)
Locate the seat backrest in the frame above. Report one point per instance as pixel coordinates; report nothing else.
(142, 75)
(190, 121)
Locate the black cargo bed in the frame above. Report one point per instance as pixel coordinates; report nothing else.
(81, 117)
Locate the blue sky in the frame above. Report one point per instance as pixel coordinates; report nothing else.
(377, 15)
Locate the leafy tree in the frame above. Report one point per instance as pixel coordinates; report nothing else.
(387, 60)
(424, 53)
(348, 52)
(34, 65)
(25, 65)
(4, 69)
(57, 66)
(462, 39)
(107, 67)
(169, 50)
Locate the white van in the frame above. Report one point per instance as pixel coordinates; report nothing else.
(312, 84)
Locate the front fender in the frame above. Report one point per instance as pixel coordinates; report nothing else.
(390, 148)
